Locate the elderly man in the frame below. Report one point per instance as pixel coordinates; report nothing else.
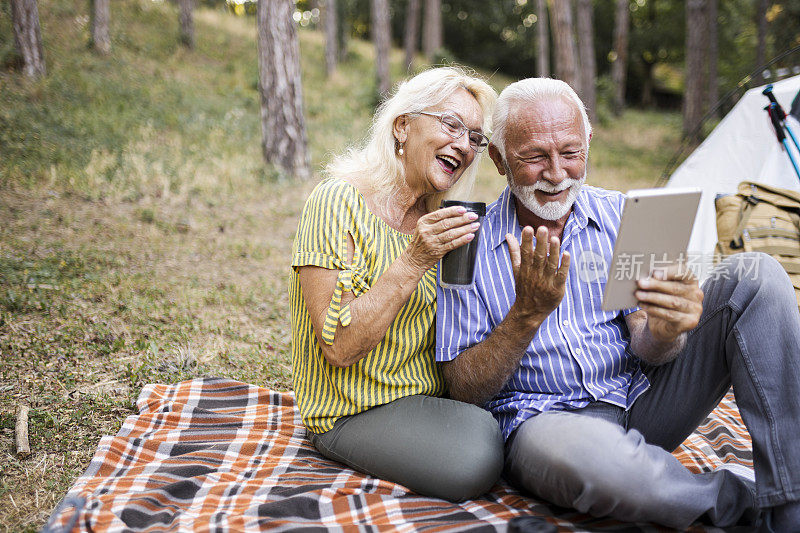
(592, 402)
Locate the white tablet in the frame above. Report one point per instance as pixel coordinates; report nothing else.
(654, 233)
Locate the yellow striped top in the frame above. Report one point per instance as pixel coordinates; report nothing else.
(402, 364)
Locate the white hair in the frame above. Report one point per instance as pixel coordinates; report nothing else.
(377, 162)
(527, 92)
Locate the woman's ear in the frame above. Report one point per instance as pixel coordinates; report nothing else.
(400, 128)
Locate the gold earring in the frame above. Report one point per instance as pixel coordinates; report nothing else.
(400, 151)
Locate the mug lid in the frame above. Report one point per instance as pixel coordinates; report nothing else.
(475, 207)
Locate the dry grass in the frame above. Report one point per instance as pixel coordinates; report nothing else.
(99, 299)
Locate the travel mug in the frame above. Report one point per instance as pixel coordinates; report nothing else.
(457, 267)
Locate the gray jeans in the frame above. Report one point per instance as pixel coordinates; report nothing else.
(434, 446)
(607, 462)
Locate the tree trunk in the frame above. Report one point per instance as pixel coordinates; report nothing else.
(187, 22)
(648, 98)
(331, 38)
(712, 89)
(619, 68)
(761, 49)
(381, 37)
(432, 34)
(344, 23)
(100, 16)
(412, 32)
(588, 63)
(284, 142)
(695, 51)
(564, 41)
(28, 37)
(542, 40)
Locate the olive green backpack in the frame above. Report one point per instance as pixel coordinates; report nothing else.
(762, 218)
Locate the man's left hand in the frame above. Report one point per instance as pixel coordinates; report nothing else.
(672, 300)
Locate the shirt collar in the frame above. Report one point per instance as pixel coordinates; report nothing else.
(503, 215)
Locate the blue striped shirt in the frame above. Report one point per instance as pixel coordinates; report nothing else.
(580, 353)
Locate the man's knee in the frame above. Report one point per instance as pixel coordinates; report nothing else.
(753, 268)
(579, 462)
(744, 276)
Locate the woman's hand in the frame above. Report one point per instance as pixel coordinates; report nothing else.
(439, 232)
(373, 312)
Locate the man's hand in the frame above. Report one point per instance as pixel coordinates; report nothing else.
(539, 280)
(673, 302)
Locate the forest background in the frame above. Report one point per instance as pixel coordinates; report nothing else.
(143, 236)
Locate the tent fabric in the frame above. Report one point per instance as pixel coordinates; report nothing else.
(742, 147)
(219, 455)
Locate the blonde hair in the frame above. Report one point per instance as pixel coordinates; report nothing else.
(376, 161)
(528, 91)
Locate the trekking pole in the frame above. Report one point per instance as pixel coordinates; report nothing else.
(781, 115)
(777, 117)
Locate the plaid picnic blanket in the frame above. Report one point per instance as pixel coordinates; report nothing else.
(220, 455)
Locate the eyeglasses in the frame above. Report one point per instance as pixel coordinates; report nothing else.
(453, 126)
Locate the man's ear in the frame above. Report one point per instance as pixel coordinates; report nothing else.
(497, 157)
(400, 128)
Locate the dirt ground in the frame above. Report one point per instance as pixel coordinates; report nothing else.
(99, 299)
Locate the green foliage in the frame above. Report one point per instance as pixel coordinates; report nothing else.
(784, 20)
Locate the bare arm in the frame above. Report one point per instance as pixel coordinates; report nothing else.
(479, 372)
(671, 305)
(374, 311)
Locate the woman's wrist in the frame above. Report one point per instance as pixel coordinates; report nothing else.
(411, 264)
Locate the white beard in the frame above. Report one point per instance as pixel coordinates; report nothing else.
(550, 210)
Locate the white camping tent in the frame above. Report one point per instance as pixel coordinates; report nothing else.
(743, 147)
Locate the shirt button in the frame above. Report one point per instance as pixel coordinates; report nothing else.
(578, 351)
(565, 322)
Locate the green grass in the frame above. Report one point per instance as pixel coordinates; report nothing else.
(142, 239)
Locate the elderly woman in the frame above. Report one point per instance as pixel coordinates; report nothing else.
(363, 294)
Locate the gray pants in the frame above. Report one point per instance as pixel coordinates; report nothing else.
(607, 462)
(434, 446)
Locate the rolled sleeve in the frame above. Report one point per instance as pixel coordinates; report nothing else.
(327, 218)
(461, 322)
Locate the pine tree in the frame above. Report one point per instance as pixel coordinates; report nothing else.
(284, 141)
(588, 66)
(563, 38)
(432, 33)
(695, 61)
(381, 37)
(331, 37)
(542, 40)
(100, 15)
(412, 32)
(187, 22)
(28, 37)
(619, 68)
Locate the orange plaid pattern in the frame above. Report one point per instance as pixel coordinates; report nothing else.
(220, 455)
